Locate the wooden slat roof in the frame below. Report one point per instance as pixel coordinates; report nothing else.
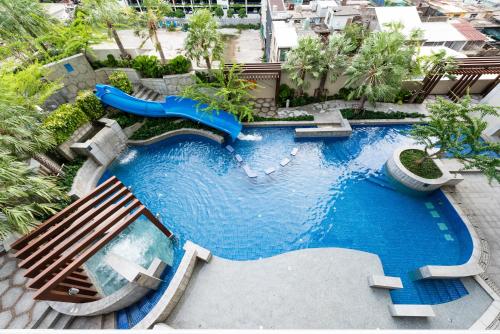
(53, 253)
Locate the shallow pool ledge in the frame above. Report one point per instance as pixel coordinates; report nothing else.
(471, 267)
(176, 287)
(184, 131)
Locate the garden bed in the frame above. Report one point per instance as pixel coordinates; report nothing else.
(353, 114)
(428, 169)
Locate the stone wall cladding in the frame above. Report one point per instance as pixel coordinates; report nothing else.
(65, 148)
(81, 77)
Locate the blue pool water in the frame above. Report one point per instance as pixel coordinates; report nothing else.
(334, 193)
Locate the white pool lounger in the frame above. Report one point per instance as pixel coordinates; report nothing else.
(284, 162)
(294, 151)
(404, 310)
(238, 158)
(270, 170)
(230, 148)
(249, 171)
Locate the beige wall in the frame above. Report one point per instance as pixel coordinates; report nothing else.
(265, 89)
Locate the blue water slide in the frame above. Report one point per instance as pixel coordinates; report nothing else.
(174, 106)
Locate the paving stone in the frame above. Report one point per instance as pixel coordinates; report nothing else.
(25, 303)
(4, 285)
(19, 278)
(7, 269)
(10, 297)
(20, 321)
(5, 319)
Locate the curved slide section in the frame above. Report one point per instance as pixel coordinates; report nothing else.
(173, 106)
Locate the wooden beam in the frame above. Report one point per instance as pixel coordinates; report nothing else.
(40, 229)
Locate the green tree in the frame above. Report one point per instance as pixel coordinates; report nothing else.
(203, 41)
(242, 13)
(148, 20)
(230, 12)
(306, 58)
(224, 90)
(355, 32)
(25, 196)
(384, 60)
(336, 59)
(218, 11)
(24, 21)
(108, 14)
(454, 129)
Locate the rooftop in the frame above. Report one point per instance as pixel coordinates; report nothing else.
(471, 33)
(441, 32)
(285, 34)
(408, 16)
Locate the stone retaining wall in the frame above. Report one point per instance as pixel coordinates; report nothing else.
(265, 107)
(65, 148)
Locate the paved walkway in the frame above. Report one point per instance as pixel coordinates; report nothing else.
(17, 307)
(311, 288)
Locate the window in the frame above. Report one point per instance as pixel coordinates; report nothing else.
(69, 68)
(283, 53)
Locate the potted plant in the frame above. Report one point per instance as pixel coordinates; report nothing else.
(452, 131)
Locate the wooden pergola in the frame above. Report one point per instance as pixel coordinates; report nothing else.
(260, 71)
(53, 254)
(469, 69)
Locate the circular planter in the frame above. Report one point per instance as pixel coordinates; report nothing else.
(401, 174)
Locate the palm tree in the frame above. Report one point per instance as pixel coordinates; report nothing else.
(108, 14)
(25, 196)
(384, 60)
(203, 40)
(307, 58)
(336, 59)
(155, 11)
(24, 21)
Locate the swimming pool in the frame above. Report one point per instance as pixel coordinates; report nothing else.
(333, 193)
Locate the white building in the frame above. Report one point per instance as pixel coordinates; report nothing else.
(338, 17)
(284, 38)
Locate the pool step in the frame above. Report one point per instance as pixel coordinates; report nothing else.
(51, 319)
(381, 180)
(145, 93)
(438, 291)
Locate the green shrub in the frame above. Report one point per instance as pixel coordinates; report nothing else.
(148, 66)
(230, 12)
(427, 169)
(111, 61)
(120, 80)
(370, 114)
(242, 13)
(63, 121)
(89, 104)
(179, 65)
(179, 13)
(125, 120)
(218, 11)
(285, 93)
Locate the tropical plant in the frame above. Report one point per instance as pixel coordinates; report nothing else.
(306, 58)
(336, 59)
(179, 13)
(24, 21)
(384, 60)
(67, 40)
(148, 66)
(230, 12)
(63, 121)
(179, 65)
(91, 106)
(120, 80)
(146, 23)
(203, 41)
(242, 13)
(25, 196)
(107, 14)
(224, 90)
(356, 32)
(454, 130)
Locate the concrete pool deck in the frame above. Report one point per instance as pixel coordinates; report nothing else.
(312, 288)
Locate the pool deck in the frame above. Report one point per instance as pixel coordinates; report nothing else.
(311, 288)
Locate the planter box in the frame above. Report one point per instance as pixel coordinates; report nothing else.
(415, 182)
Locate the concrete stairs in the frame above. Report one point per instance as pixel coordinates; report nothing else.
(145, 93)
(51, 319)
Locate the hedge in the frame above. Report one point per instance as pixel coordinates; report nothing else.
(63, 121)
(120, 80)
(90, 105)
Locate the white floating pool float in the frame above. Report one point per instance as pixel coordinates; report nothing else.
(284, 162)
(238, 158)
(294, 151)
(230, 148)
